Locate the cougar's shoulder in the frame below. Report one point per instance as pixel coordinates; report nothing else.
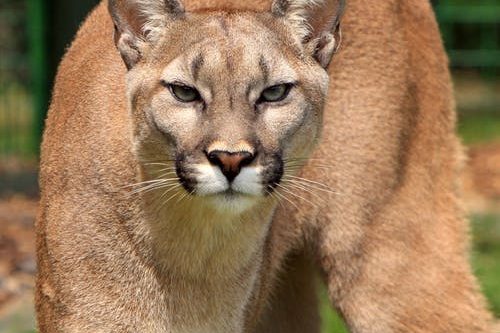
(86, 111)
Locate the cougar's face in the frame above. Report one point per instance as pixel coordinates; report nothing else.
(227, 101)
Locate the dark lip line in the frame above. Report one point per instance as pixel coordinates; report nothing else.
(228, 193)
(189, 184)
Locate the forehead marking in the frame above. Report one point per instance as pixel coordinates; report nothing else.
(229, 56)
(224, 25)
(196, 65)
(264, 67)
(232, 49)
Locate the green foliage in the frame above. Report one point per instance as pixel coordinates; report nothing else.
(331, 321)
(486, 257)
(477, 127)
(16, 121)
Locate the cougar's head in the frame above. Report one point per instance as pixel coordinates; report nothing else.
(222, 101)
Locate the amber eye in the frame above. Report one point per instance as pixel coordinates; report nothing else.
(275, 93)
(184, 93)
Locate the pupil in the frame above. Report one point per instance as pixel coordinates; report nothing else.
(185, 93)
(274, 93)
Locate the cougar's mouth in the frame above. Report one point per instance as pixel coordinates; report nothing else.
(207, 180)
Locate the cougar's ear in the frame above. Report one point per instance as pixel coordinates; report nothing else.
(315, 23)
(138, 22)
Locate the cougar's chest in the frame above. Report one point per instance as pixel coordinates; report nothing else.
(207, 266)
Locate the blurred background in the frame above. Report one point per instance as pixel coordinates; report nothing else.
(33, 37)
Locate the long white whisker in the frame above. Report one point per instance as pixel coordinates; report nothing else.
(169, 189)
(159, 163)
(182, 197)
(295, 194)
(311, 186)
(282, 196)
(151, 181)
(173, 196)
(170, 198)
(308, 190)
(274, 197)
(170, 171)
(293, 159)
(307, 181)
(154, 186)
(300, 165)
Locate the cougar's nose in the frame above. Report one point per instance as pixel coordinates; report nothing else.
(230, 163)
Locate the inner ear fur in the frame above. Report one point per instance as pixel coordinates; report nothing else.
(314, 23)
(138, 22)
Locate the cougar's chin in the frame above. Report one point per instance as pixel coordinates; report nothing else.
(231, 202)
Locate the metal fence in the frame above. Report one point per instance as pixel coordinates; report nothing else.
(16, 98)
(33, 34)
(471, 31)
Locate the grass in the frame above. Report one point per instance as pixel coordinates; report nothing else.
(331, 321)
(486, 257)
(479, 127)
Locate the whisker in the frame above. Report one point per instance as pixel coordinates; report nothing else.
(296, 169)
(151, 181)
(318, 166)
(159, 160)
(275, 197)
(173, 196)
(282, 196)
(169, 167)
(304, 158)
(295, 194)
(149, 188)
(154, 186)
(169, 189)
(302, 179)
(308, 190)
(141, 183)
(170, 198)
(313, 187)
(157, 163)
(191, 195)
(182, 197)
(166, 173)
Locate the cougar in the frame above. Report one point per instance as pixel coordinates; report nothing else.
(207, 164)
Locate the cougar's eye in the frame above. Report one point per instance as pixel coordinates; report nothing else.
(275, 93)
(184, 93)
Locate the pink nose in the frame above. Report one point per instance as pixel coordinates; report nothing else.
(230, 163)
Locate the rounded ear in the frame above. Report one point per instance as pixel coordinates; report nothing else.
(315, 23)
(138, 22)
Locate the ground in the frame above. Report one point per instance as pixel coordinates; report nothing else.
(17, 264)
(17, 245)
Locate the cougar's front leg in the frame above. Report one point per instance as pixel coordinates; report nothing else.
(293, 304)
(395, 276)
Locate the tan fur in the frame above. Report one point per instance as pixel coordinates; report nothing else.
(388, 237)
